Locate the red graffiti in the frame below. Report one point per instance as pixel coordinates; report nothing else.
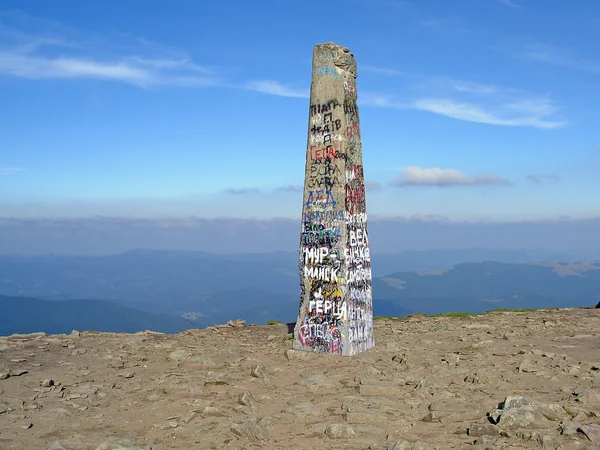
(321, 153)
(352, 132)
(355, 197)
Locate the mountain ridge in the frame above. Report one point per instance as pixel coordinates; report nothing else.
(259, 288)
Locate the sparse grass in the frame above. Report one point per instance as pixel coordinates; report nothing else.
(273, 322)
(514, 310)
(469, 314)
(452, 314)
(408, 316)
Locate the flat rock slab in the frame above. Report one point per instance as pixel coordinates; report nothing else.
(592, 432)
(122, 444)
(340, 431)
(381, 389)
(377, 418)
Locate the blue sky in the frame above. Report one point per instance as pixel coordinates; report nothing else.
(476, 110)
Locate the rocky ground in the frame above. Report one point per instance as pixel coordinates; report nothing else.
(499, 380)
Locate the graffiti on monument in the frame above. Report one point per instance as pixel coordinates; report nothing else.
(334, 260)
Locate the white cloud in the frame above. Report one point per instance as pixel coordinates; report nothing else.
(243, 191)
(472, 102)
(435, 176)
(540, 177)
(487, 103)
(9, 170)
(513, 114)
(372, 185)
(475, 88)
(386, 71)
(134, 70)
(535, 106)
(290, 188)
(380, 100)
(34, 57)
(141, 63)
(36, 48)
(275, 88)
(429, 218)
(560, 57)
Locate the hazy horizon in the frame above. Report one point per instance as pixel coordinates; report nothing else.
(112, 235)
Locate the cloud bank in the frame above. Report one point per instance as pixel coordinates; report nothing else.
(541, 177)
(275, 88)
(435, 176)
(110, 235)
(243, 191)
(515, 115)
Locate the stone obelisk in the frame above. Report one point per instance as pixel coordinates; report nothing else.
(336, 312)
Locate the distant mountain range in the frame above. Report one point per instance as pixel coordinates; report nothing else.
(481, 286)
(147, 289)
(28, 315)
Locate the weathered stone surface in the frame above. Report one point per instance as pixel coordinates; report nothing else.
(122, 444)
(292, 355)
(374, 417)
(544, 441)
(212, 411)
(167, 404)
(247, 399)
(340, 431)
(515, 401)
(300, 407)
(569, 428)
(477, 430)
(259, 371)
(17, 336)
(488, 442)
(407, 445)
(251, 429)
(316, 380)
(520, 412)
(72, 443)
(592, 432)
(336, 314)
(188, 417)
(179, 355)
(374, 389)
(204, 361)
(523, 418)
(588, 397)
